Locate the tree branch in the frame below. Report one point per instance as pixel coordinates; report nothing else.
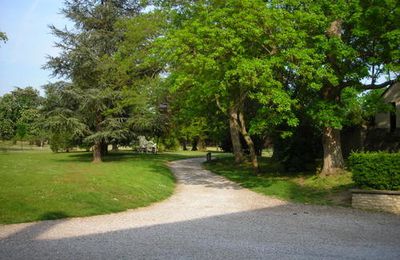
(379, 86)
(219, 104)
(369, 86)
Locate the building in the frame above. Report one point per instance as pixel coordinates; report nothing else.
(383, 134)
(390, 121)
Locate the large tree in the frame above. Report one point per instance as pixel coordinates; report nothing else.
(223, 51)
(338, 45)
(86, 59)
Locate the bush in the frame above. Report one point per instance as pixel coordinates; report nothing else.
(378, 170)
(168, 144)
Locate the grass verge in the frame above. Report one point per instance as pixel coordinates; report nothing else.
(42, 185)
(272, 181)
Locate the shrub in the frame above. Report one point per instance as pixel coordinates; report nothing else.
(378, 170)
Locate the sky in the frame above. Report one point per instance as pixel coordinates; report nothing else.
(29, 42)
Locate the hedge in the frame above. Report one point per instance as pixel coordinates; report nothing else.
(377, 170)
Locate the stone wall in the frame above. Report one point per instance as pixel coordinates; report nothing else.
(388, 201)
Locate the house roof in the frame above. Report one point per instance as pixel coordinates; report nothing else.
(392, 93)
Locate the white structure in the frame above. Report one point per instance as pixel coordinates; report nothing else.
(390, 120)
(146, 146)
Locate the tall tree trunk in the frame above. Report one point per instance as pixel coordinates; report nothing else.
(333, 158)
(97, 152)
(249, 142)
(235, 137)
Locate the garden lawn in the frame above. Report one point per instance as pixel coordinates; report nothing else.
(272, 181)
(43, 185)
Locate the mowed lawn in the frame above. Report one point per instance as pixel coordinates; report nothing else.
(43, 185)
(295, 187)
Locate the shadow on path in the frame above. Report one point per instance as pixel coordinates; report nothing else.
(278, 232)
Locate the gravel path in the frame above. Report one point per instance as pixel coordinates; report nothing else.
(210, 217)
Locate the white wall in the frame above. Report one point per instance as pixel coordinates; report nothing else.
(382, 120)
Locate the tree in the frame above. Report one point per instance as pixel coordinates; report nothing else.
(3, 37)
(13, 106)
(21, 132)
(61, 117)
(222, 51)
(138, 73)
(85, 59)
(339, 45)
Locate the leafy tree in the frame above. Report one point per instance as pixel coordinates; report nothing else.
(338, 45)
(13, 106)
(138, 72)
(222, 51)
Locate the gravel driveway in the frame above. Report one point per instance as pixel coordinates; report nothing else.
(210, 217)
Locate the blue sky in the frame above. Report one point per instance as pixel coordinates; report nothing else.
(29, 41)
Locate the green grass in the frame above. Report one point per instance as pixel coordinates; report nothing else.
(38, 185)
(272, 181)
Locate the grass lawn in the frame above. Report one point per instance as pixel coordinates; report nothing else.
(40, 185)
(301, 188)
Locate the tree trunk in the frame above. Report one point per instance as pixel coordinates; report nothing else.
(114, 148)
(201, 145)
(97, 152)
(194, 144)
(333, 158)
(184, 144)
(249, 142)
(104, 148)
(234, 130)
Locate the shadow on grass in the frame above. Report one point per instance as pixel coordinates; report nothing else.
(124, 156)
(52, 215)
(273, 181)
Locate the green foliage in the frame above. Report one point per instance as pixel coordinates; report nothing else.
(104, 57)
(19, 111)
(168, 143)
(378, 170)
(298, 152)
(224, 51)
(60, 141)
(3, 37)
(373, 103)
(13, 104)
(21, 131)
(6, 129)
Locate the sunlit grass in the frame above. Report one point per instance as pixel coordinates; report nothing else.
(39, 185)
(272, 181)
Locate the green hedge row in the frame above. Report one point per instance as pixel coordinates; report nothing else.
(377, 170)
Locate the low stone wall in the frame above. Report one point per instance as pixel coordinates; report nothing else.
(388, 201)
